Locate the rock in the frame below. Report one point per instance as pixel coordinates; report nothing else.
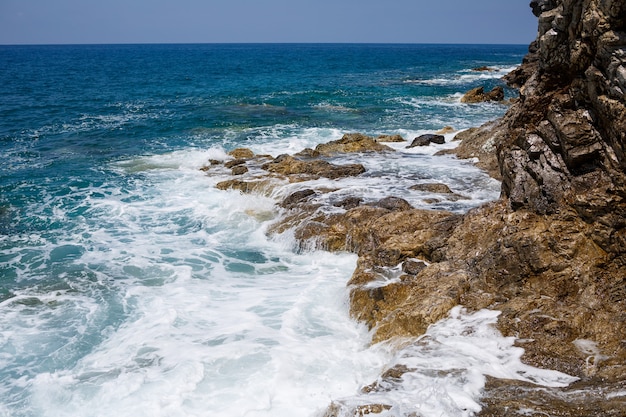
(349, 202)
(256, 185)
(241, 153)
(413, 267)
(432, 188)
(427, 139)
(233, 184)
(297, 197)
(480, 143)
(307, 153)
(239, 170)
(483, 69)
(390, 138)
(393, 204)
(234, 163)
(353, 142)
(478, 95)
(310, 169)
(445, 129)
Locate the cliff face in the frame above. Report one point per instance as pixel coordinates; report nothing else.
(551, 254)
(561, 156)
(566, 136)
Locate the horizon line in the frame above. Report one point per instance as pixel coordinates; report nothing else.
(258, 43)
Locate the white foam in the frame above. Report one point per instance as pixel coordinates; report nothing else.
(448, 366)
(204, 314)
(466, 76)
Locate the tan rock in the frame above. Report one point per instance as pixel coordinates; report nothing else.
(311, 169)
(241, 153)
(353, 142)
(390, 138)
(478, 95)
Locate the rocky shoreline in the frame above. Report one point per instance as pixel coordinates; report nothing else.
(550, 254)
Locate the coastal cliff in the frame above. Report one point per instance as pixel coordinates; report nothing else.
(550, 254)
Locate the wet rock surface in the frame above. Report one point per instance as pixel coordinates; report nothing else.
(478, 95)
(427, 139)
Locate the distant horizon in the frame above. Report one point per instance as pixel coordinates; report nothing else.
(263, 43)
(75, 22)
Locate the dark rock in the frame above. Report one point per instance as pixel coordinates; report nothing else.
(239, 170)
(540, 6)
(234, 163)
(483, 69)
(349, 202)
(480, 143)
(393, 204)
(427, 139)
(233, 184)
(297, 197)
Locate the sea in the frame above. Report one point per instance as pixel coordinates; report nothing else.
(131, 286)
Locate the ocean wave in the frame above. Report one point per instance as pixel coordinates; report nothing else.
(464, 77)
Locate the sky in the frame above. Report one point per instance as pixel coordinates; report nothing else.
(276, 21)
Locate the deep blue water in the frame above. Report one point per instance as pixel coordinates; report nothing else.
(102, 205)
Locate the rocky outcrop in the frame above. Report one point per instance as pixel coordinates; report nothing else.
(550, 254)
(302, 170)
(427, 139)
(353, 142)
(478, 95)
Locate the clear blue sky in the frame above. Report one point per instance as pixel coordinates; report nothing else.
(201, 21)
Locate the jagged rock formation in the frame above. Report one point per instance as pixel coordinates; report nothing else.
(478, 95)
(550, 254)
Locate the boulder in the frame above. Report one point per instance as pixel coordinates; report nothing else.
(445, 129)
(352, 142)
(239, 170)
(427, 139)
(311, 169)
(478, 95)
(234, 162)
(297, 197)
(241, 153)
(390, 138)
(436, 188)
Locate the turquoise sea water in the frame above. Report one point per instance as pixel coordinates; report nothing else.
(129, 285)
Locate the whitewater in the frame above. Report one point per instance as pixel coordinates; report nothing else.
(131, 286)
